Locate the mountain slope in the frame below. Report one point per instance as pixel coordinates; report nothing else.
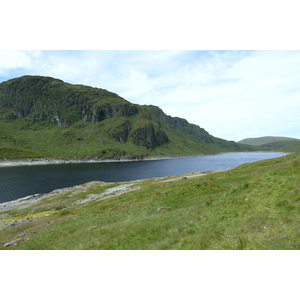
(274, 143)
(265, 140)
(46, 117)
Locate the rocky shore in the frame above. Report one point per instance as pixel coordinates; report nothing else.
(44, 161)
(35, 162)
(25, 201)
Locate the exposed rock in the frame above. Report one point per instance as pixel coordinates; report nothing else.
(118, 190)
(103, 112)
(121, 133)
(13, 243)
(147, 137)
(15, 223)
(29, 95)
(162, 208)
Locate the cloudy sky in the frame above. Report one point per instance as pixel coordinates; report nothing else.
(232, 94)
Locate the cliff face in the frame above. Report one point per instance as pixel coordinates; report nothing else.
(46, 98)
(93, 117)
(148, 137)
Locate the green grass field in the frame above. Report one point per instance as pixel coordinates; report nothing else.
(254, 206)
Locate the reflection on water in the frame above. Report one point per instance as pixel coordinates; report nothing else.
(17, 182)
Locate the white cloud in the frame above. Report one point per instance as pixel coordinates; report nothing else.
(252, 96)
(10, 60)
(232, 94)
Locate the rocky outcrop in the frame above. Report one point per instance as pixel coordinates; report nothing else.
(104, 111)
(13, 243)
(121, 133)
(148, 137)
(46, 98)
(162, 208)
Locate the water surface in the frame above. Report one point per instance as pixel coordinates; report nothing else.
(21, 181)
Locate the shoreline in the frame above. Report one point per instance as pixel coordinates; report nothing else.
(4, 163)
(55, 161)
(33, 162)
(32, 199)
(43, 161)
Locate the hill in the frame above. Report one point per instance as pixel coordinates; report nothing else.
(265, 140)
(272, 143)
(254, 206)
(46, 117)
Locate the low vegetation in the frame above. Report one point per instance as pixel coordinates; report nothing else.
(46, 117)
(254, 206)
(273, 143)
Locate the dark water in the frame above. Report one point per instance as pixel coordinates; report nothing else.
(18, 182)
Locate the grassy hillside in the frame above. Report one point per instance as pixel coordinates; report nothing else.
(265, 140)
(254, 206)
(86, 140)
(273, 143)
(283, 146)
(46, 117)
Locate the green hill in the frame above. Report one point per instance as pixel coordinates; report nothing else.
(265, 140)
(273, 143)
(254, 206)
(283, 146)
(46, 117)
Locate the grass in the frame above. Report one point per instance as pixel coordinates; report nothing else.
(19, 153)
(270, 143)
(266, 140)
(254, 206)
(82, 140)
(53, 119)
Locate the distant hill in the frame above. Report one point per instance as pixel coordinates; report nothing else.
(274, 143)
(46, 117)
(266, 140)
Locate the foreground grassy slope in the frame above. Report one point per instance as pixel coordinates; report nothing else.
(254, 206)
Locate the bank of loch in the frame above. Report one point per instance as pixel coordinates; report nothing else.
(254, 206)
(41, 176)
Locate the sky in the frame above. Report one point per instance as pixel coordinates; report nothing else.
(232, 94)
(169, 55)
